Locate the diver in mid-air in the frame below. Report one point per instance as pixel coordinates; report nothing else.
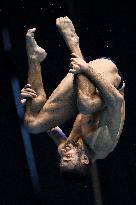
(90, 90)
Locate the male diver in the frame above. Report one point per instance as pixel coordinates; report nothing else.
(90, 90)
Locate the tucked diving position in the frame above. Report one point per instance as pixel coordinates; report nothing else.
(91, 91)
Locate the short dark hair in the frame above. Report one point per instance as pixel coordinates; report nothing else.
(79, 174)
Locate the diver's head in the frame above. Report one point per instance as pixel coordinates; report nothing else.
(74, 163)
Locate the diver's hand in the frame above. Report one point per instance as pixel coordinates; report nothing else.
(27, 93)
(78, 65)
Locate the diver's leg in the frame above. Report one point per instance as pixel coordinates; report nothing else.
(86, 91)
(35, 56)
(60, 106)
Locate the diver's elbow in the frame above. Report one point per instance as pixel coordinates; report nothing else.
(32, 125)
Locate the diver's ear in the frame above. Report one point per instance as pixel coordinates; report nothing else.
(84, 159)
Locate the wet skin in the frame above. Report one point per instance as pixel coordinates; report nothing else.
(69, 155)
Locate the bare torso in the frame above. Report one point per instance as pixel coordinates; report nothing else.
(101, 131)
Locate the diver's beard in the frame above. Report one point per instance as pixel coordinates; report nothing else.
(75, 144)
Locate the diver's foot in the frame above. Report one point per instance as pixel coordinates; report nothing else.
(34, 52)
(67, 30)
